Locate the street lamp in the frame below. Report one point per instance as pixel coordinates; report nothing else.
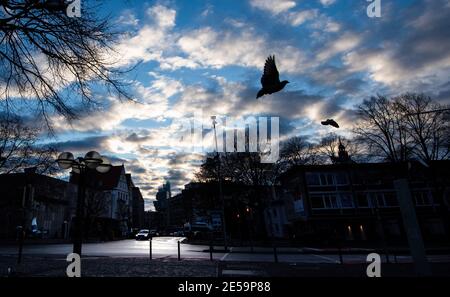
(224, 230)
(91, 161)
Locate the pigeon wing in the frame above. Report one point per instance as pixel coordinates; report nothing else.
(271, 75)
(334, 124)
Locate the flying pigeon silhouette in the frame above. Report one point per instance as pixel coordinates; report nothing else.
(330, 122)
(270, 80)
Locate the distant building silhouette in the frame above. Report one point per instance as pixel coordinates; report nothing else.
(343, 156)
(29, 197)
(357, 202)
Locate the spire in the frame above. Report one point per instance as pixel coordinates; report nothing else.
(343, 156)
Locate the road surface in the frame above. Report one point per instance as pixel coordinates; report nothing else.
(166, 248)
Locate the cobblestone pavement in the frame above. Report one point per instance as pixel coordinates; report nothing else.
(108, 267)
(55, 266)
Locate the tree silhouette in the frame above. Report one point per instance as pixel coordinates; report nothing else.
(19, 147)
(403, 128)
(55, 59)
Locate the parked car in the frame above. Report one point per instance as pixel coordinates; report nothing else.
(153, 233)
(143, 234)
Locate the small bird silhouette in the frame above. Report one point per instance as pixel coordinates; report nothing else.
(330, 122)
(270, 80)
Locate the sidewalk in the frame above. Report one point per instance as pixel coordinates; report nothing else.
(47, 266)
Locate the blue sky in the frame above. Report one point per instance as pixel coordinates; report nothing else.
(209, 55)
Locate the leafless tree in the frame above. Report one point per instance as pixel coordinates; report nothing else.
(427, 124)
(298, 151)
(54, 59)
(19, 147)
(328, 147)
(96, 204)
(240, 167)
(403, 128)
(382, 129)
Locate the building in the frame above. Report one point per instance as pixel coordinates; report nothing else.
(137, 204)
(358, 202)
(162, 203)
(43, 205)
(243, 207)
(137, 208)
(108, 202)
(153, 220)
(275, 215)
(180, 208)
(163, 194)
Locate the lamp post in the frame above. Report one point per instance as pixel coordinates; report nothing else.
(224, 230)
(91, 161)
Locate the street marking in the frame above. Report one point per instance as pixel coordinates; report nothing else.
(224, 256)
(327, 258)
(235, 272)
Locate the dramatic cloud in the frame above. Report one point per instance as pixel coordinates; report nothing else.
(327, 2)
(273, 6)
(211, 61)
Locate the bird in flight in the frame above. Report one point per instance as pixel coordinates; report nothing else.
(270, 80)
(330, 122)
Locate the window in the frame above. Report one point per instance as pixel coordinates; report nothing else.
(317, 201)
(323, 179)
(422, 198)
(379, 200)
(385, 200)
(390, 200)
(312, 179)
(363, 202)
(346, 201)
(330, 180)
(330, 201)
(341, 179)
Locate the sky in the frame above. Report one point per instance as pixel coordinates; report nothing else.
(209, 55)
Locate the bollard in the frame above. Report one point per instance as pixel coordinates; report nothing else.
(275, 254)
(210, 251)
(21, 238)
(179, 257)
(341, 258)
(150, 248)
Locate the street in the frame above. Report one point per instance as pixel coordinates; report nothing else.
(166, 248)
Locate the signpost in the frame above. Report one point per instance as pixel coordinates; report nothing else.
(412, 227)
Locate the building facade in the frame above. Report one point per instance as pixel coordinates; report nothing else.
(108, 203)
(358, 202)
(41, 204)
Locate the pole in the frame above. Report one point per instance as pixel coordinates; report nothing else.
(224, 230)
(21, 231)
(179, 256)
(427, 112)
(412, 228)
(250, 236)
(211, 246)
(383, 235)
(210, 252)
(78, 238)
(275, 253)
(150, 248)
